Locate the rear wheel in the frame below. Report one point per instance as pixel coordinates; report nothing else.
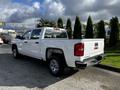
(56, 66)
(15, 52)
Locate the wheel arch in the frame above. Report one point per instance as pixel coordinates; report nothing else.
(55, 51)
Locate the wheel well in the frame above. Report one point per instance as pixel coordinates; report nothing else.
(57, 52)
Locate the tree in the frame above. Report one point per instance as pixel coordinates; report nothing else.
(60, 23)
(77, 33)
(114, 35)
(101, 30)
(45, 23)
(89, 29)
(69, 28)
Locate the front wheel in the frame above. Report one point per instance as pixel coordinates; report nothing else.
(15, 52)
(56, 66)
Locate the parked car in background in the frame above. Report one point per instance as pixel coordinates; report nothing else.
(53, 46)
(6, 38)
(8, 35)
(1, 41)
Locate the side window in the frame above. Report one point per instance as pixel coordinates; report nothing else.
(55, 34)
(48, 34)
(27, 35)
(35, 34)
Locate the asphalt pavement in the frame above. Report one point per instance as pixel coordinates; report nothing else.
(31, 74)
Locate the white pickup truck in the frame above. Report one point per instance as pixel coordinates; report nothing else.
(53, 46)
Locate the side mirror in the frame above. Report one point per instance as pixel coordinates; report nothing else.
(19, 37)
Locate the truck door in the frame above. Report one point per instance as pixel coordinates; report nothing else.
(35, 43)
(25, 43)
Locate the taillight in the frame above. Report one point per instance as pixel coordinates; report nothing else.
(79, 49)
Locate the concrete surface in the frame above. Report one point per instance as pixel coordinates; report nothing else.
(31, 74)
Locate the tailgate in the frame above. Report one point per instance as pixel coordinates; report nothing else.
(93, 47)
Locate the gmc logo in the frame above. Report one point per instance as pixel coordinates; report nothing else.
(96, 46)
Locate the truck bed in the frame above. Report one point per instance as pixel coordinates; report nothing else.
(92, 47)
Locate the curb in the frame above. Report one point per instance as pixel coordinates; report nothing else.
(108, 68)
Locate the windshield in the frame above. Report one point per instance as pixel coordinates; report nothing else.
(55, 34)
(12, 33)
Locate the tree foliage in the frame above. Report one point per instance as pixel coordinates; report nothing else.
(101, 30)
(77, 33)
(69, 28)
(60, 23)
(89, 29)
(114, 35)
(45, 23)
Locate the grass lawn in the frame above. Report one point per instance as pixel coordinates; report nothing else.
(113, 56)
(113, 61)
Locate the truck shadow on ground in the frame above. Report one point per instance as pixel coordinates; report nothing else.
(27, 72)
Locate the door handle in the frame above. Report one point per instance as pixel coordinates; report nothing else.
(25, 42)
(36, 42)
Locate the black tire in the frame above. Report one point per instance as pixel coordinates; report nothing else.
(15, 52)
(59, 65)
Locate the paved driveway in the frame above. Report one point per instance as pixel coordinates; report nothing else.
(27, 73)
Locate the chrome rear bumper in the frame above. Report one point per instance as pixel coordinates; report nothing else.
(89, 62)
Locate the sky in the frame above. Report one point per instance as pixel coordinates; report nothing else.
(28, 10)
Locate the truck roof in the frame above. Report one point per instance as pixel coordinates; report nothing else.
(52, 28)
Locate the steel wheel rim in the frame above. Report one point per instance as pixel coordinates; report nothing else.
(54, 66)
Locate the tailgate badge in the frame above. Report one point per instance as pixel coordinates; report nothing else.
(96, 46)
